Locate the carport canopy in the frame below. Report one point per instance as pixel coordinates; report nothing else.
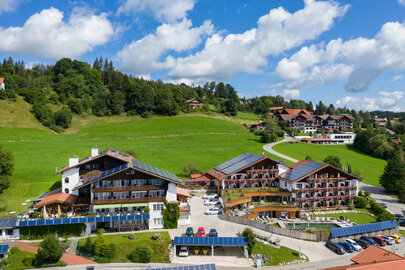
(211, 241)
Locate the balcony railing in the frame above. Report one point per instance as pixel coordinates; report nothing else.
(334, 179)
(252, 179)
(325, 198)
(298, 190)
(261, 171)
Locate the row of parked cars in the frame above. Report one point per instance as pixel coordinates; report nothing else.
(350, 245)
(400, 219)
(200, 232)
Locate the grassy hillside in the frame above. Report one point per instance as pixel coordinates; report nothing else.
(166, 142)
(371, 167)
(17, 114)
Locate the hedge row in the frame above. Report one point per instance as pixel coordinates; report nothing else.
(40, 232)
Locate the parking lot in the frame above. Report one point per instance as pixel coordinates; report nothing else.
(316, 251)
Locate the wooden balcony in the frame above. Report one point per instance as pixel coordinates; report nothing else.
(129, 188)
(338, 197)
(262, 171)
(320, 189)
(333, 179)
(251, 179)
(129, 200)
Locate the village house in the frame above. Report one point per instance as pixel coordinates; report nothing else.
(194, 103)
(2, 84)
(113, 183)
(258, 125)
(255, 185)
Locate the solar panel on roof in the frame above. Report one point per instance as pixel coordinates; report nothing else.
(189, 267)
(232, 161)
(154, 170)
(338, 232)
(241, 164)
(3, 249)
(210, 241)
(302, 170)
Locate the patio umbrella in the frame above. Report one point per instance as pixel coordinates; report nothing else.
(59, 212)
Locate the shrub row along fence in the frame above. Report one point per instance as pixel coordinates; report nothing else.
(275, 230)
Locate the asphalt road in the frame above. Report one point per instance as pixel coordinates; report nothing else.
(268, 148)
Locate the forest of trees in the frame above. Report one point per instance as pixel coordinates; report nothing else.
(71, 86)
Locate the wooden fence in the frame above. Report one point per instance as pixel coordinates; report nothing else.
(275, 230)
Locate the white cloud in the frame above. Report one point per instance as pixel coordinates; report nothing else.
(161, 10)
(397, 77)
(357, 62)
(45, 34)
(143, 56)
(291, 93)
(401, 2)
(277, 31)
(9, 5)
(385, 101)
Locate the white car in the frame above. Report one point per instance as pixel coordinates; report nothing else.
(389, 240)
(214, 211)
(211, 201)
(210, 196)
(356, 246)
(183, 252)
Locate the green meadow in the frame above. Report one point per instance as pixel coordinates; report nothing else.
(166, 142)
(369, 166)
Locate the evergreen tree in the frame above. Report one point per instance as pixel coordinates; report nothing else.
(393, 177)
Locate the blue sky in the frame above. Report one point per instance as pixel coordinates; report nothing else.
(348, 53)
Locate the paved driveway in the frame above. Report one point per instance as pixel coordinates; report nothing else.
(268, 148)
(378, 193)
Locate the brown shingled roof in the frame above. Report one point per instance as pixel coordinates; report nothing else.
(392, 265)
(60, 198)
(376, 254)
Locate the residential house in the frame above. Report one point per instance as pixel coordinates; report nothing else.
(258, 125)
(2, 84)
(194, 103)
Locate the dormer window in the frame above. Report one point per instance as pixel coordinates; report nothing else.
(132, 171)
(66, 180)
(128, 172)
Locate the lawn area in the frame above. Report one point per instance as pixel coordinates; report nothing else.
(125, 245)
(277, 255)
(166, 142)
(371, 167)
(356, 217)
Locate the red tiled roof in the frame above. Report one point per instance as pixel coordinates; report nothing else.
(1, 80)
(191, 100)
(393, 265)
(192, 176)
(297, 111)
(61, 198)
(182, 192)
(256, 124)
(201, 178)
(276, 108)
(374, 254)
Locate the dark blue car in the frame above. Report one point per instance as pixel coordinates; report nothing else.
(369, 240)
(348, 247)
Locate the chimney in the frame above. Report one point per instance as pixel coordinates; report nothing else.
(94, 151)
(73, 161)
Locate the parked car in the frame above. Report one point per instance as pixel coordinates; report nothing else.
(369, 240)
(399, 216)
(356, 246)
(362, 243)
(189, 232)
(183, 252)
(214, 211)
(383, 204)
(336, 248)
(213, 233)
(348, 248)
(211, 201)
(201, 232)
(396, 238)
(210, 196)
(389, 240)
(401, 221)
(381, 241)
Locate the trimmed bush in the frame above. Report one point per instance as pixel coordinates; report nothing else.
(141, 254)
(360, 202)
(40, 232)
(248, 233)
